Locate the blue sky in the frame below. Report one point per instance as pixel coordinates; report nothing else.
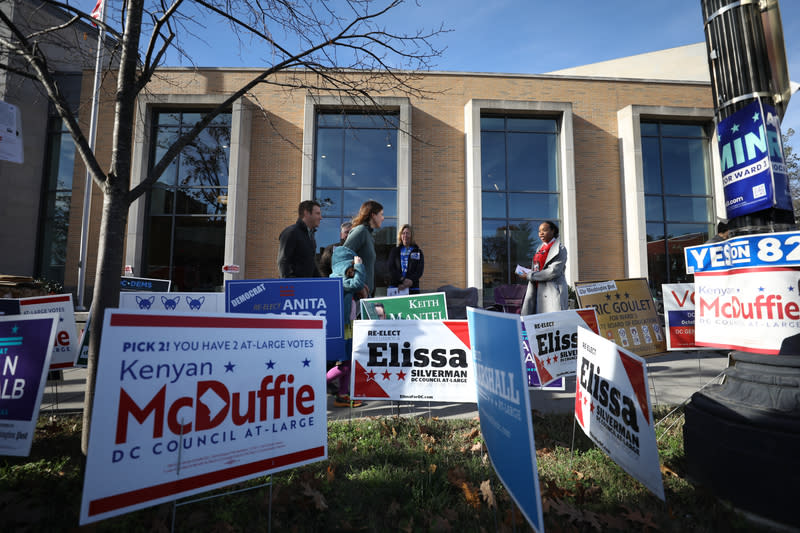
(537, 36)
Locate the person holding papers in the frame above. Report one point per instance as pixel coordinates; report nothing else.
(406, 262)
(547, 287)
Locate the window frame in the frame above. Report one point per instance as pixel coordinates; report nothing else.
(562, 111)
(629, 121)
(238, 171)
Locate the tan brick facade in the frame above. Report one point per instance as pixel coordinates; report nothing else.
(438, 168)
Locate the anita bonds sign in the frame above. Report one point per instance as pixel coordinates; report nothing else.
(65, 347)
(553, 339)
(504, 407)
(412, 360)
(320, 297)
(626, 313)
(26, 345)
(612, 406)
(746, 291)
(190, 403)
(751, 156)
(679, 315)
(428, 306)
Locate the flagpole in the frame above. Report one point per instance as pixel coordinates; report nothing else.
(87, 192)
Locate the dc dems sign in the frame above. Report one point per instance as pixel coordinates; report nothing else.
(751, 156)
(190, 403)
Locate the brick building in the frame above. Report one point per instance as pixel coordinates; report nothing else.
(620, 154)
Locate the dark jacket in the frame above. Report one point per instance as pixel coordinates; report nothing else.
(296, 256)
(416, 265)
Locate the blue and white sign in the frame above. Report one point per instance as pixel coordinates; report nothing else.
(751, 156)
(504, 407)
(320, 297)
(747, 251)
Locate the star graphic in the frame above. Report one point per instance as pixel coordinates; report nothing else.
(591, 407)
(627, 295)
(756, 116)
(735, 128)
(270, 364)
(229, 367)
(14, 329)
(555, 359)
(306, 362)
(401, 376)
(371, 375)
(386, 375)
(617, 295)
(791, 289)
(761, 289)
(608, 296)
(585, 400)
(548, 360)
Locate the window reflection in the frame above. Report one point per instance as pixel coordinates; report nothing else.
(519, 181)
(678, 204)
(355, 161)
(185, 236)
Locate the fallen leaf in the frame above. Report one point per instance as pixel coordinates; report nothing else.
(667, 471)
(331, 473)
(476, 448)
(488, 494)
(472, 435)
(456, 476)
(471, 495)
(316, 496)
(637, 517)
(431, 468)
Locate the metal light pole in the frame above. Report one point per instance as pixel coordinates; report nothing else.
(747, 61)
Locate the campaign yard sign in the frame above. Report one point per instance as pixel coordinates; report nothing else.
(428, 306)
(746, 292)
(504, 407)
(553, 339)
(133, 284)
(679, 315)
(26, 345)
(65, 348)
(177, 302)
(534, 381)
(612, 406)
(190, 403)
(412, 360)
(626, 313)
(320, 297)
(751, 156)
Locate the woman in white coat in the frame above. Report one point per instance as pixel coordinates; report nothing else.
(547, 286)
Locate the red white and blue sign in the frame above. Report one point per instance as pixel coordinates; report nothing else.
(504, 407)
(26, 345)
(751, 156)
(320, 297)
(190, 403)
(612, 406)
(747, 295)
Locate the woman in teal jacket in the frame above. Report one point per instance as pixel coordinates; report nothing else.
(347, 265)
(361, 240)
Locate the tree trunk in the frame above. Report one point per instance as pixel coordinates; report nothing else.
(106, 290)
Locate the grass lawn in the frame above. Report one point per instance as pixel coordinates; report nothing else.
(388, 474)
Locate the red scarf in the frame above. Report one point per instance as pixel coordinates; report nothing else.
(540, 256)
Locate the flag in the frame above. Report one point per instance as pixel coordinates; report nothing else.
(97, 12)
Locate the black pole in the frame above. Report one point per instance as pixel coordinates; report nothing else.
(739, 65)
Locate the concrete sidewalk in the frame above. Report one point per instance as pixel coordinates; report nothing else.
(674, 377)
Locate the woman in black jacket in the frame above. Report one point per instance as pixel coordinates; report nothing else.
(406, 262)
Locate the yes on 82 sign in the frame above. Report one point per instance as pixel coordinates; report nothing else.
(747, 251)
